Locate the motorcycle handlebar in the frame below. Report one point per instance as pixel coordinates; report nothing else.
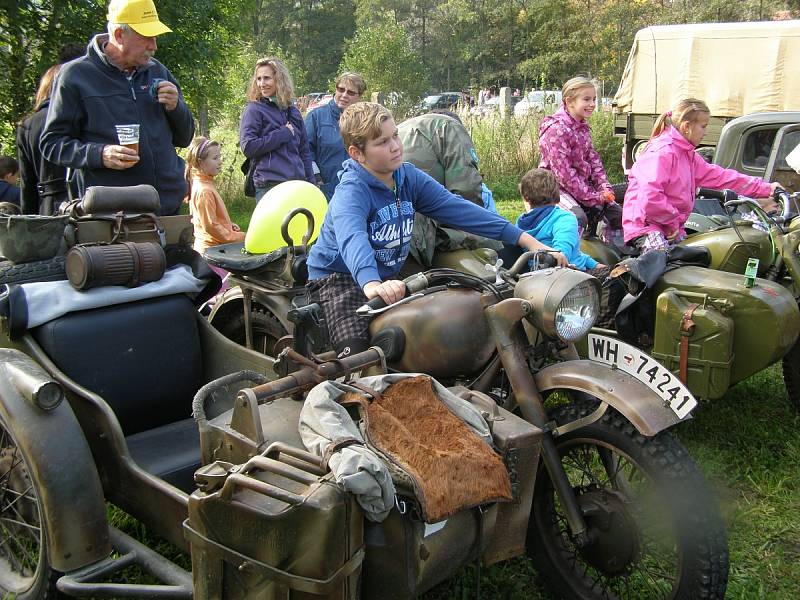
(414, 284)
(723, 195)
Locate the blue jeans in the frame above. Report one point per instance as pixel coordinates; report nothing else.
(260, 191)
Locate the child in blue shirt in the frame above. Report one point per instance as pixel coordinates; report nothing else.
(366, 234)
(550, 224)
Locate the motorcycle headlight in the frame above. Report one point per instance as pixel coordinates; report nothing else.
(565, 301)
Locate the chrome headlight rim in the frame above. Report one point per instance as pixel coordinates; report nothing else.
(550, 290)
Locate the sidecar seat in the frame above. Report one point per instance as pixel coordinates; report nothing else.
(144, 359)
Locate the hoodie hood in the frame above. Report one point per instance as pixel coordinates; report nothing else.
(562, 116)
(531, 220)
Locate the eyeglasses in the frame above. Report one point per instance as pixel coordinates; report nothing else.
(350, 93)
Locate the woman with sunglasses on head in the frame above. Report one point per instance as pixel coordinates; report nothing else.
(322, 128)
(271, 132)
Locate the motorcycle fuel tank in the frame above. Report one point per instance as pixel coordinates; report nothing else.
(445, 334)
(729, 252)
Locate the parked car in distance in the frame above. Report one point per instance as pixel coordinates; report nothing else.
(539, 100)
(442, 100)
(320, 101)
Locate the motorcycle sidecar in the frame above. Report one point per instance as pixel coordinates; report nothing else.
(97, 406)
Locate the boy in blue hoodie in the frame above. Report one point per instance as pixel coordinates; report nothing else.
(366, 234)
(553, 225)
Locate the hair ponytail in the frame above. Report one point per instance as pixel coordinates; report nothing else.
(686, 111)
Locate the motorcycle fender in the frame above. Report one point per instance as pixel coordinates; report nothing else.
(232, 302)
(60, 462)
(629, 396)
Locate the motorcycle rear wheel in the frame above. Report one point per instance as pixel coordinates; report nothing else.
(791, 375)
(655, 530)
(25, 572)
(267, 330)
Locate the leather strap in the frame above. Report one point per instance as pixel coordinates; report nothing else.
(687, 327)
(371, 394)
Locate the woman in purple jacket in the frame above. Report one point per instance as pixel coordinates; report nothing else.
(272, 132)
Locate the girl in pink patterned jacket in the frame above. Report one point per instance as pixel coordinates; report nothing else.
(662, 181)
(566, 149)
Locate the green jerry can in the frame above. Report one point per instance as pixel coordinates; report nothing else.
(762, 322)
(686, 325)
(274, 529)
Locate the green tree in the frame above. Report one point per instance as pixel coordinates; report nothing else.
(383, 55)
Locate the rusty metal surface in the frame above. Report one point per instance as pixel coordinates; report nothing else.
(68, 486)
(637, 403)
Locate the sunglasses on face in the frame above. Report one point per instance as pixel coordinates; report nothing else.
(350, 93)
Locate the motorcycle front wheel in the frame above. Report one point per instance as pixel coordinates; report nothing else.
(654, 530)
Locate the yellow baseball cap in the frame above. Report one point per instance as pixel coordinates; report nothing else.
(139, 15)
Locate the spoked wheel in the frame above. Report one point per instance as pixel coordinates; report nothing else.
(25, 571)
(791, 375)
(267, 330)
(654, 528)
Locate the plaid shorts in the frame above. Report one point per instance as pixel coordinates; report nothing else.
(339, 296)
(655, 240)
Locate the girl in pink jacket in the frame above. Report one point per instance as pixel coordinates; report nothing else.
(662, 182)
(566, 149)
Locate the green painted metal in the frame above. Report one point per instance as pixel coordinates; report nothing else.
(766, 319)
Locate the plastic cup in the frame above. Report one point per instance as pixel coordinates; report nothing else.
(128, 136)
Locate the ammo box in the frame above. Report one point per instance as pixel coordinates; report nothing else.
(710, 342)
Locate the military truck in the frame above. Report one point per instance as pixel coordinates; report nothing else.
(743, 71)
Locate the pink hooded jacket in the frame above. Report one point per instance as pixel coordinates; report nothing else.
(662, 183)
(565, 145)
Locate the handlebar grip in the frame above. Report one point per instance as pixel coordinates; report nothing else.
(414, 284)
(709, 193)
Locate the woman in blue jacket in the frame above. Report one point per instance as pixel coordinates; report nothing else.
(322, 128)
(272, 132)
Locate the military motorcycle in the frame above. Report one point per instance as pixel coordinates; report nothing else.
(717, 324)
(451, 326)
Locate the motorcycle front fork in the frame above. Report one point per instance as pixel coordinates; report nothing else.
(504, 321)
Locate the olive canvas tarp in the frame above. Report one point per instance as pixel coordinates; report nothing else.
(737, 68)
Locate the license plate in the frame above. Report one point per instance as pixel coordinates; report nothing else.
(646, 369)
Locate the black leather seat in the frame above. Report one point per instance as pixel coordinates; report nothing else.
(144, 359)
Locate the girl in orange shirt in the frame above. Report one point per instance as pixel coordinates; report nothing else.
(212, 224)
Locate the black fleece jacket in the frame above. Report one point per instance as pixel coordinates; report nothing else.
(90, 97)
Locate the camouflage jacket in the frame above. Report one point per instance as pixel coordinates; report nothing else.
(442, 147)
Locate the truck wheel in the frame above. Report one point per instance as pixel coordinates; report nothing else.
(791, 375)
(52, 269)
(267, 330)
(25, 572)
(654, 527)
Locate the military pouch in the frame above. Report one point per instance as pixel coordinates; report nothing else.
(127, 264)
(28, 238)
(147, 227)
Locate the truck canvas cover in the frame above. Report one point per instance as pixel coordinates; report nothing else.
(736, 68)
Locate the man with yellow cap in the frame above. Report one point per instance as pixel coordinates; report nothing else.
(118, 83)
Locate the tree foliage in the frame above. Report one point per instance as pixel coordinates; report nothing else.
(383, 55)
(404, 46)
